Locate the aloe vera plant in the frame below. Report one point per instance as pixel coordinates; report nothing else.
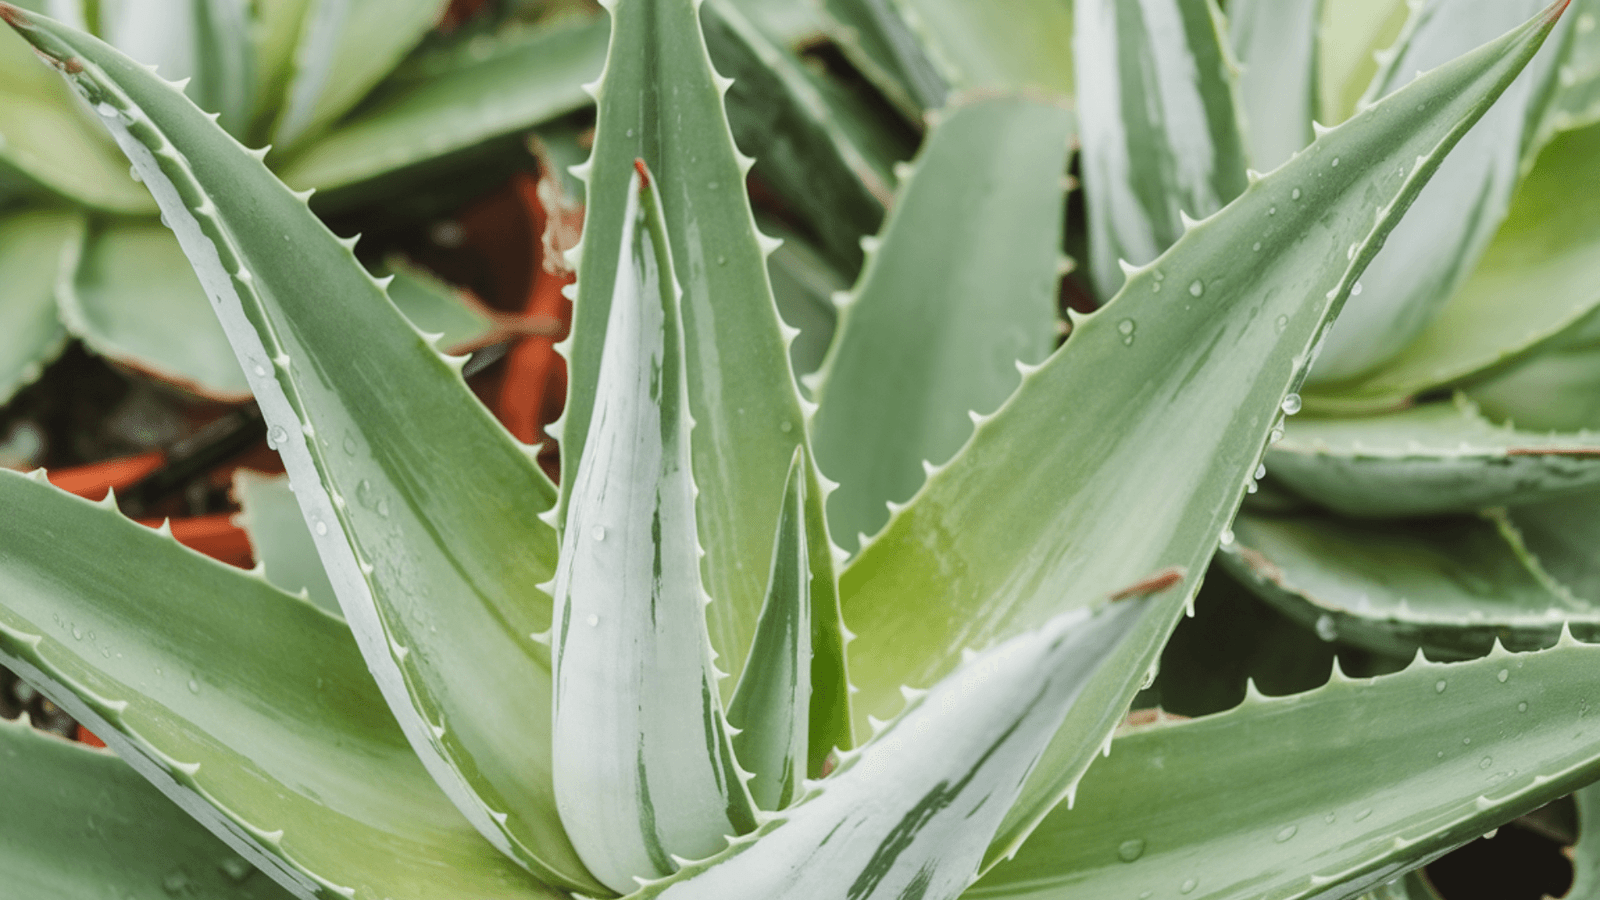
(641, 682)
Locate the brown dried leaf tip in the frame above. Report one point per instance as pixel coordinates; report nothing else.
(644, 174)
(1155, 584)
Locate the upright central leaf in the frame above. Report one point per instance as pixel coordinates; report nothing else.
(644, 768)
(661, 101)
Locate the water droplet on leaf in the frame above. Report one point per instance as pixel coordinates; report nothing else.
(1128, 851)
(1439, 686)
(598, 532)
(1291, 404)
(1196, 288)
(1286, 833)
(1326, 629)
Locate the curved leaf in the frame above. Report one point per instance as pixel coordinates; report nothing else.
(135, 299)
(644, 765)
(1546, 256)
(960, 286)
(1449, 586)
(330, 361)
(878, 42)
(742, 395)
(450, 101)
(907, 815)
(38, 251)
(79, 823)
(1276, 45)
(1160, 133)
(997, 45)
(345, 48)
(1353, 35)
(280, 540)
(1556, 387)
(1431, 255)
(1015, 529)
(1433, 459)
(1463, 748)
(250, 708)
(46, 137)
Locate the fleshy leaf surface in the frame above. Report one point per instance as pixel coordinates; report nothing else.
(1160, 132)
(742, 395)
(137, 844)
(1275, 42)
(959, 288)
(644, 764)
(452, 100)
(38, 251)
(1433, 252)
(1536, 279)
(997, 45)
(1433, 459)
(1450, 586)
(360, 406)
(252, 709)
(1015, 529)
(771, 706)
(907, 815)
(282, 543)
(133, 285)
(1463, 748)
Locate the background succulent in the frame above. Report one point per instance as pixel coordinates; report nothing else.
(520, 680)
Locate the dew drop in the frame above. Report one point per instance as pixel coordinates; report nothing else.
(1523, 706)
(276, 437)
(1294, 194)
(1363, 814)
(598, 532)
(106, 110)
(1331, 818)
(1486, 762)
(1326, 630)
(786, 426)
(261, 371)
(1126, 326)
(1272, 210)
(1355, 289)
(175, 883)
(1282, 324)
(1188, 886)
(1335, 163)
(1286, 834)
(194, 686)
(1489, 835)
(1275, 436)
(1128, 851)
(1261, 471)
(1439, 686)
(722, 260)
(77, 633)
(594, 620)
(1466, 742)
(1256, 246)
(1502, 676)
(1196, 288)
(1291, 404)
(349, 444)
(235, 868)
(321, 528)
(1227, 537)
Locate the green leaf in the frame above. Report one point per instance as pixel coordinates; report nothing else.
(1449, 586)
(275, 33)
(771, 704)
(1432, 253)
(50, 141)
(1561, 535)
(804, 283)
(1433, 459)
(1462, 748)
(1276, 45)
(997, 45)
(38, 251)
(1160, 133)
(742, 395)
(826, 156)
(907, 815)
(251, 709)
(1353, 34)
(960, 287)
(1015, 528)
(1585, 855)
(282, 543)
(448, 101)
(345, 48)
(330, 360)
(1576, 103)
(879, 43)
(644, 764)
(207, 42)
(79, 823)
(135, 299)
(1556, 387)
(436, 307)
(1546, 255)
